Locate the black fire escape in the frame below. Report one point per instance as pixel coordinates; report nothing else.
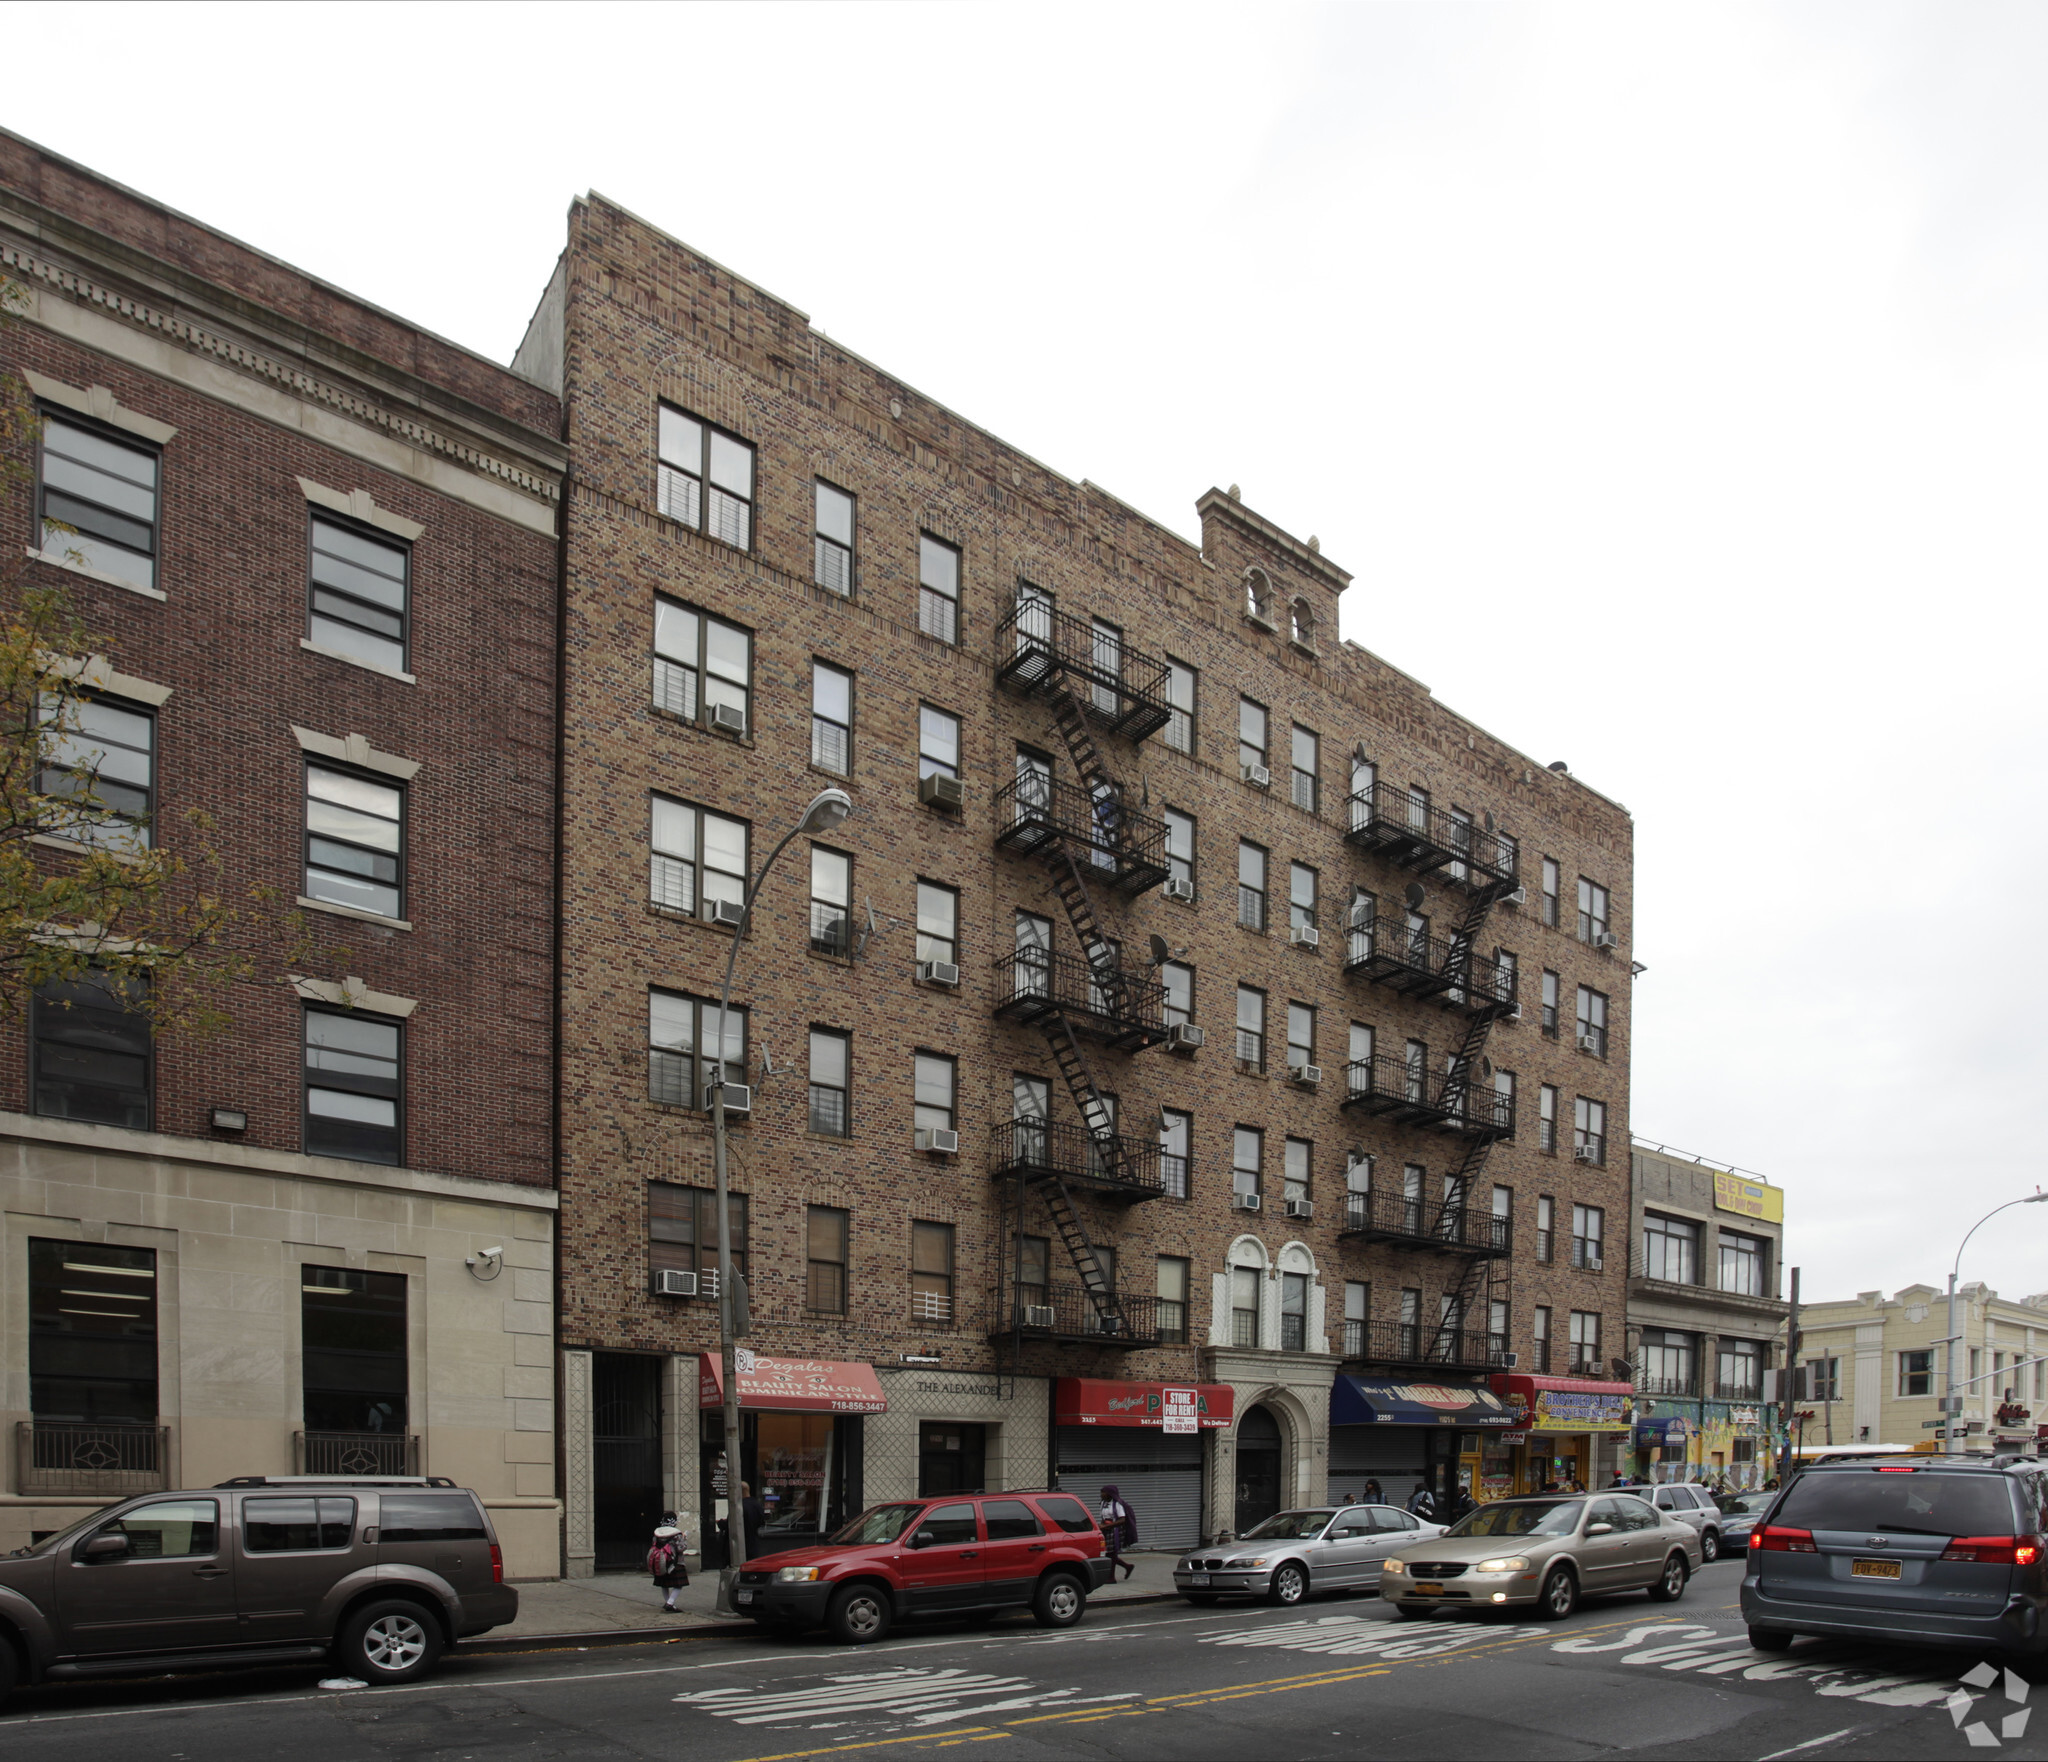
(1091, 842)
(1401, 954)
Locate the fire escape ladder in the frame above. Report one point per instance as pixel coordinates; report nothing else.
(1464, 1069)
(1088, 1102)
(1081, 748)
(1081, 1251)
(1462, 940)
(1472, 1293)
(1104, 967)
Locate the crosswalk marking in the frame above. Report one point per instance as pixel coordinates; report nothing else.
(1352, 1636)
(921, 1697)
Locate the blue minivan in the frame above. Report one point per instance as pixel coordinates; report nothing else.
(1936, 1551)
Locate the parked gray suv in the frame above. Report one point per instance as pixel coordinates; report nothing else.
(1930, 1550)
(378, 1575)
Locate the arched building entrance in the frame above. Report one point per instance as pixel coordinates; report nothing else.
(1259, 1458)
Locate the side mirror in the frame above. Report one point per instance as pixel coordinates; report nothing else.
(1599, 1529)
(922, 1539)
(107, 1547)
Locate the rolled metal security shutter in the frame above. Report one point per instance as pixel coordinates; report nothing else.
(1391, 1455)
(1160, 1477)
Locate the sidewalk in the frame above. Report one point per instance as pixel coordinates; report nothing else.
(621, 1608)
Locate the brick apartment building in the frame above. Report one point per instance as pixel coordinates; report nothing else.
(1194, 1015)
(316, 549)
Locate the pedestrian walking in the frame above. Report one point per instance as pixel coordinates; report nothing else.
(753, 1513)
(665, 1561)
(1462, 1502)
(1421, 1505)
(1119, 1531)
(1375, 1494)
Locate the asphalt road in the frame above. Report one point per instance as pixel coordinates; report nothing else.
(1334, 1678)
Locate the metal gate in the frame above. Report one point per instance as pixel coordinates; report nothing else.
(625, 1452)
(1160, 1477)
(1391, 1455)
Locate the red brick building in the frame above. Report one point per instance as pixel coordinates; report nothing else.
(316, 547)
(1191, 1003)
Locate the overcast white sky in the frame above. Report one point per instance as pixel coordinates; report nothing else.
(1670, 377)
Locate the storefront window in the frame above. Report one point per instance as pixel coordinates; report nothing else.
(793, 1452)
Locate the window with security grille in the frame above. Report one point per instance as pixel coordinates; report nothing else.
(938, 922)
(1461, 842)
(1539, 1337)
(1365, 776)
(931, 1273)
(353, 1099)
(831, 900)
(1552, 883)
(706, 478)
(1301, 897)
(933, 1077)
(359, 593)
(938, 588)
(686, 1049)
(1589, 1226)
(1592, 910)
(1301, 1035)
(1171, 1316)
(682, 1229)
(832, 543)
(1176, 1135)
(831, 1083)
(1251, 732)
(832, 719)
(1244, 1305)
(1357, 1316)
(1410, 1325)
(825, 1236)
(1589, 1129)
(1181, 684)
(697, 858)
(1251, 1028)
(98, 771)
(105, 491)
(1294, 1312)
(702, 664)
(355, 841)
(1305, 753)
(1551, 982)
(1585, 1343)
(1251, 885)
(1546, 1118)
(1298, 1170)
(1247, 1159)
(1180, 845)
(1546, 1229)
(1592, 1018)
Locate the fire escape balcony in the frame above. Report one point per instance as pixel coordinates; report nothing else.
(1112, 844)
(1391, 1089)
(1114, 1167)
(1431, 1226)
(1063, 1310)
(1119, 687)
(1116, 1007)
(1413, 1344)
(1416, 835)
(1417, 964)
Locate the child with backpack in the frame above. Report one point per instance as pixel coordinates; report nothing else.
(665, 1561)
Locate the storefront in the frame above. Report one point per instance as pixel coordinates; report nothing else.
(1577, 1429)
(1404, 1435)
(802, 1423)
(1723, 1443)
(1146, 1440)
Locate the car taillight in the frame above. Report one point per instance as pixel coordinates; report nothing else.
(497, 1564)
(1777, 1540)
(1995, 1550)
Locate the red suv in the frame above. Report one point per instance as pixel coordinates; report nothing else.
(963, 1554)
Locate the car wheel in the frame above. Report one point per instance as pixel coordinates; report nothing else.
(859, 1613)
(392, 1641)
(1670, 1585)
(1770, 1639)
(1200, 1599)
(1060, 1602)
(1289, 1584)
(1710, 1545)
(1559, 1596)
(1405, 1612)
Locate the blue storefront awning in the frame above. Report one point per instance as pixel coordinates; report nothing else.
(1364, 1401)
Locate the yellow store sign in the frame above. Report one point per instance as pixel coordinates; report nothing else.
(1749, 1198)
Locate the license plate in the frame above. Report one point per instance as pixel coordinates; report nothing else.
(1873, 1569)
(1424, 1588)
(1198, 1578)
(744, 1597)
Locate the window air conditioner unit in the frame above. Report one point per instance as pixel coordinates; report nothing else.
(1607, 939)
(941, 791)
(1257, 776)
(1589, 1042)
(1593, 1263)
(1582, 1153)
(728, 912)
(941, 1142)
(675, 1284)
(1309, 1075)
(1184, 1036)
(1510, 1359)
(1184, 891)
(1519, 896)
(728, 719)
(1300, 1208)
(738, 1099)
(1513, 1013)
(1037, 1315)
(1244, 1202)
(1305, 936)
(938, 972)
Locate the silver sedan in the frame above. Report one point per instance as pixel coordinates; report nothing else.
(1296, 1553)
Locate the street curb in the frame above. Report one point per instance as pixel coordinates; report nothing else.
(702, 1630)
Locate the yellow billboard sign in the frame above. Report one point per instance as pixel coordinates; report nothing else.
(1749, 1198)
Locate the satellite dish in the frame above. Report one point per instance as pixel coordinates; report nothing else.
(1358, 752)
(1414, 896)
(1621, 1367)
(1489, 820)
(1158, 949)
(1486, 1069)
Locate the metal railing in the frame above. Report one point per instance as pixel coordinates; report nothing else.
(1110, 841)
(831, 928)
(1415, 963)
(1112, 1164)
(1113, 682)
(1109, 1004)
(1587, 1253)
(831, 746)
(1397, 1090)
(1748, 1390)
(1392, 1216)
(1415, 1343)
(72, 1456)
(1417, 835)
(355, 1453)
(1063, 1310)
(1687, 1385)
(932, 1308)
(938, 615)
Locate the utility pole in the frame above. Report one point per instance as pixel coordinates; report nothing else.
(1792, 1391)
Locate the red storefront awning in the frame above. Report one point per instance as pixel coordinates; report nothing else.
(1568, 1404)
(795, 1385)
(1180, 1407)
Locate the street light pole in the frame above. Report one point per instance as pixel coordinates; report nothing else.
(826, 810)
(1951, 1404)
